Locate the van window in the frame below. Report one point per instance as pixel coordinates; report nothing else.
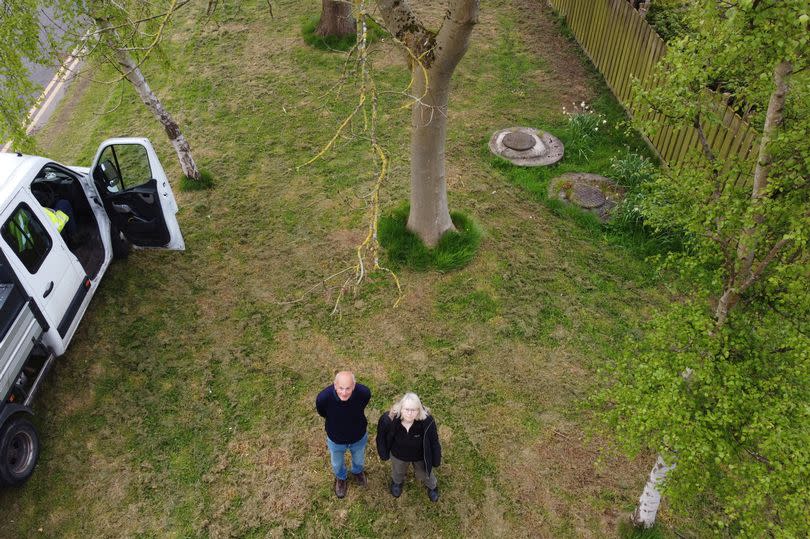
(27, 238)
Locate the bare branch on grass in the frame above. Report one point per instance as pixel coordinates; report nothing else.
(367, 252)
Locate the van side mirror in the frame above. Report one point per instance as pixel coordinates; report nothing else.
(107, 174)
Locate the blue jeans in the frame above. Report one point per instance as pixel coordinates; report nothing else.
(338, 454)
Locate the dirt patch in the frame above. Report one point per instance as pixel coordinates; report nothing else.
(347, 239)
(569, 79)
(553, 477)
(496, 525)
(269, 490)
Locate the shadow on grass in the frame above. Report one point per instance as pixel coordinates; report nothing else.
(404, 249)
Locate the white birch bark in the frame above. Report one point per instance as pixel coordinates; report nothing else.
(438, 55)
(133, 74)
(745, 274)
(650, 500)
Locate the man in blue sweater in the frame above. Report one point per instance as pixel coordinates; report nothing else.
(343, 404)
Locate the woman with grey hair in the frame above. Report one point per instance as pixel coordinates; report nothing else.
(408, 435)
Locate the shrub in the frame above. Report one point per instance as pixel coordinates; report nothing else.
(583, 127)
(637, 173)
(631, 170)
(668, 19)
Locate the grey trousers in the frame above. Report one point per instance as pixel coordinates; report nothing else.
(399, 468)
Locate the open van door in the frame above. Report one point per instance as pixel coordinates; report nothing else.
(136, 193)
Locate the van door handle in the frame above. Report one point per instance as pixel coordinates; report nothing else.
(49, 290)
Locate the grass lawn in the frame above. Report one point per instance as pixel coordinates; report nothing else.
(185, 404)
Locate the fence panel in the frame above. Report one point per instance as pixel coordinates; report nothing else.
(623, 47)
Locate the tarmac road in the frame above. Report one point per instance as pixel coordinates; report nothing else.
(54, 81)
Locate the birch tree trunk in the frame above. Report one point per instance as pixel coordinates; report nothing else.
(650, 500)
(336, 19)
(133, 74)
(744, 273)
(433, 58)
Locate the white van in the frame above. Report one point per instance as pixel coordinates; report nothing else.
(60, 227)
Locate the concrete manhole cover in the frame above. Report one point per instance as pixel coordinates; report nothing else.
(526, 146)
(518, 140)
(591, 192)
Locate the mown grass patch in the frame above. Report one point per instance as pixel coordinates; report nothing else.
(184, 406)
(403, 248)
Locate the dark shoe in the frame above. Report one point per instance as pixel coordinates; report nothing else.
(340, 488)
(396, 489)
(361, 479)
(433, 494)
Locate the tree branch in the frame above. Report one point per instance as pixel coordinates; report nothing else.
(707, 150)
(406, 27)
(453, 37)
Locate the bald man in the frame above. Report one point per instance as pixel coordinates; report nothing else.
(343, 405)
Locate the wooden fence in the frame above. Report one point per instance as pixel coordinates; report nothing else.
(623, 46)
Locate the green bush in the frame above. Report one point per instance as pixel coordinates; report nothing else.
(631, 170)
(668, 19)
(404, 249)
(582, 129)
(636, 173)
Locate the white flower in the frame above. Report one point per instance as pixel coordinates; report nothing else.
(604, 122)
(596, 129)
(582, 104)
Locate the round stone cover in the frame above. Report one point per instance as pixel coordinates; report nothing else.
(518, 140)
(545, 150)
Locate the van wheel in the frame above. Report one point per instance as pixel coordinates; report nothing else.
(120, 245)
(19, 451)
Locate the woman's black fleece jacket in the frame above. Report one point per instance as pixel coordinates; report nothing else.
(430, 440)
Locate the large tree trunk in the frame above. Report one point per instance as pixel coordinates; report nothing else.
(336, 19)
(430, 214)
(133, 74)
(650, 500)
(433, 58)
(745, 273)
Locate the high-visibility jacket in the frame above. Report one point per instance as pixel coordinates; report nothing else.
(58, 217)
(19, 229)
